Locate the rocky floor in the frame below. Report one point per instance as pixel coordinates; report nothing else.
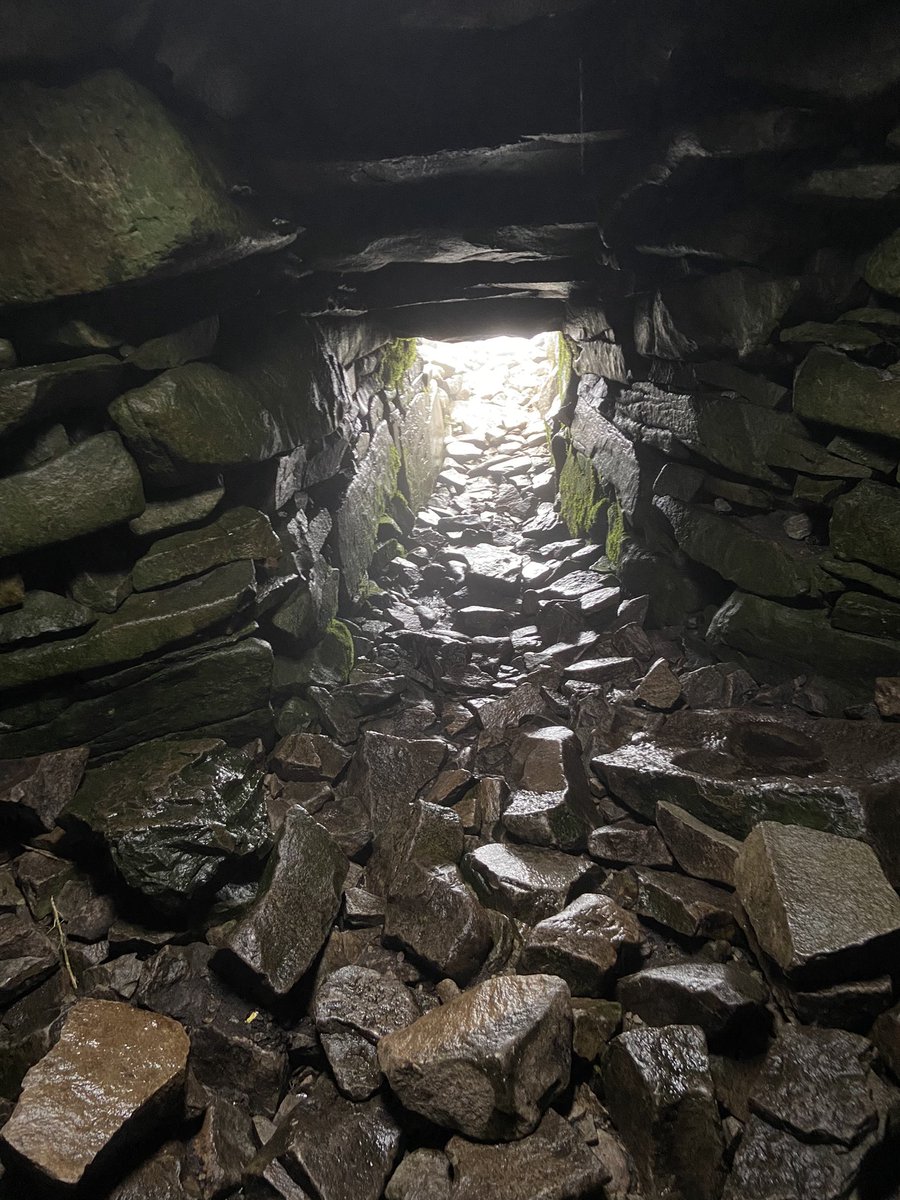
(549, 906)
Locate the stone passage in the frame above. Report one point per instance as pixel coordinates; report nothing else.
(403, 798)
(551, 905)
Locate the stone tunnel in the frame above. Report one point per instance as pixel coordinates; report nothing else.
(427, 801)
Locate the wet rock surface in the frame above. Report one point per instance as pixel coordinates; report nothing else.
(81, 1091)
(482, 919)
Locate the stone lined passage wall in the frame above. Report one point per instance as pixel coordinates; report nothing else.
(191, 477)
(733, 419)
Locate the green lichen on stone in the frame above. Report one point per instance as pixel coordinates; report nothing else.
(615, 536)
(581, 502)
(341, 646)
(562, 358)
(396, 359)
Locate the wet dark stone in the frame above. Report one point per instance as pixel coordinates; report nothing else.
(660, 1095)
(553, 1163)
(526, 882)
(585, 944)
(353, 1008)
(78, 1090)
(177, 819)
(435, 917)
(725, 1000)
(488, 1062)
(343, 1150)
(687, 906)
(735, 768)
(36, 790)
(299, 896)
(820, 905)
(229, 1055)
(771, 1164)
(216, 1156)
(819, 1085)
(27, 956)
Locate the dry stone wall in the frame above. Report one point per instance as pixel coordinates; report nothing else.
(736, 391)
(191, 476)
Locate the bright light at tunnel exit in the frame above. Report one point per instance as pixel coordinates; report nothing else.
(495, 382)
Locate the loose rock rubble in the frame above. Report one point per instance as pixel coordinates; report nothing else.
(539, 905)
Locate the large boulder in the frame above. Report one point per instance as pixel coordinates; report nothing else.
(86, 207)
(176, 818)
(489, 1062)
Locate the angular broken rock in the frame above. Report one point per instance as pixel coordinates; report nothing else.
(353, 1008)
(552, 806)
(27, 956)
(660, 688)
(629, 842)
(80, 1107)
(300, 894)
(819, 1084)
(583, 944)
(488, 1063)
(819, 904)
(687, 906)
(435, 917)
(421, 1175)
(724, 999)
(771, 1164)
(334, 1148)
(525, 882)
(660, 1095)
(698, 848)
(36, 790)
(553, 1163)
(308, 757)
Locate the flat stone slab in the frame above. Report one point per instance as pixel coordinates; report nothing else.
(490, 1061)
(285, 928)
(736, 768)
(527, 882)
(114, 1074)
(820, 905)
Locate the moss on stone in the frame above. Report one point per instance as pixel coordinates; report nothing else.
(340, 647)
(615, 535)
(563, 362)
(581, 502)
(396, 359)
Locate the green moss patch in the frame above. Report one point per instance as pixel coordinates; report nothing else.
(396, 359)
(582, 504)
